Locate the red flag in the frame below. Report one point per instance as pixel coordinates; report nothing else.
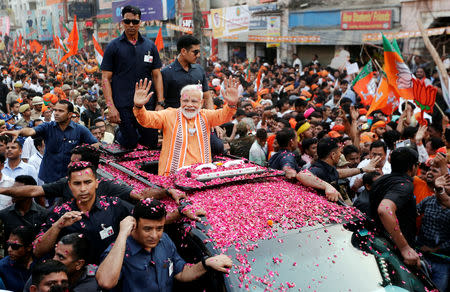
(72, 41)
(159, 40)
(20, 41)
(44, 59)
(15, 45)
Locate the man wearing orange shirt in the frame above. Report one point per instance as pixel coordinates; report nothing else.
(186, 130)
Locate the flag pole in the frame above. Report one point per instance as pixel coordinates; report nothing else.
(440, 110)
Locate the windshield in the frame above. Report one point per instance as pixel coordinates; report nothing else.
(321, 259)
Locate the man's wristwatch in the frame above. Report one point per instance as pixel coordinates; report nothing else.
(204, 262)
(361, 170)
(161, 103)
(139, 107)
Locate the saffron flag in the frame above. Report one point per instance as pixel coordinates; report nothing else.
(98, 51)
(44, 59)
(35, 46)
(364, 84)
(15, 45)
(72, 41)
(159, 40)
(397, 72)
(385, 98)
(20, 41)
(258, 78)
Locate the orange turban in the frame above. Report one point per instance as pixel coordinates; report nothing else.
(314, 86)
(367, 137)
(334, 134)
(338, 128)
(379, 124)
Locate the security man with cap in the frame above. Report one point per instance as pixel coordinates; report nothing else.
(66, 89)
(14, 94)
(37, 103)
(25, 120)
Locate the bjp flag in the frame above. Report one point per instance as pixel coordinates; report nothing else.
(398, 74)
(385, 98)
(364, 84)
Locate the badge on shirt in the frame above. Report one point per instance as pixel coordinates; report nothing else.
(170, 267)
(148, 58)
(106, 232)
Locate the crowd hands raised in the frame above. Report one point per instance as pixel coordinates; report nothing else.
(304, 120)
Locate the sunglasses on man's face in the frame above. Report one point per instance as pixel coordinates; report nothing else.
(13, 245)
(128, 21)
(196, 52)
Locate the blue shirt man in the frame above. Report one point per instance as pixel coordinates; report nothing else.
(60, 136)
(144, 258)
(128, 59)
(149, 271)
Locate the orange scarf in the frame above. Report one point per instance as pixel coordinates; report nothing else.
(179, 141)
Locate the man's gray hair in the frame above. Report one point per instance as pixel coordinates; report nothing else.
(192, 87)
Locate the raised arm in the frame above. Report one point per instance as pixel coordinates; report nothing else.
(149, 119)
(46, 242)
(25, 132)
(108, 272)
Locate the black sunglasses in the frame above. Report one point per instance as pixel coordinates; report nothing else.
(14, 246)
(196, 52)
(128, 21)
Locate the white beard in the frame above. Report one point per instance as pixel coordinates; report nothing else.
(189, 115)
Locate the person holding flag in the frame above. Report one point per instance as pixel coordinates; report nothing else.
(126, 60)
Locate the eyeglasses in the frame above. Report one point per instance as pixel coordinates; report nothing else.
(196, 52)
(128, 21)
(13, 245)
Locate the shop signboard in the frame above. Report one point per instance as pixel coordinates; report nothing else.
(150, 9)
(230, 20)
(366, 19)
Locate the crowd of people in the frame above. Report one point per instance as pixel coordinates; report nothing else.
(304, 119)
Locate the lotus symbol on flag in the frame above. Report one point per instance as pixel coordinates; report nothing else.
(424, 96)
(404, 80)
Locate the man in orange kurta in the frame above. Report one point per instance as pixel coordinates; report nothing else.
(186, 130)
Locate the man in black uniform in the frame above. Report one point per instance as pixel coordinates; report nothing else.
(183, 71)
(128, 59)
